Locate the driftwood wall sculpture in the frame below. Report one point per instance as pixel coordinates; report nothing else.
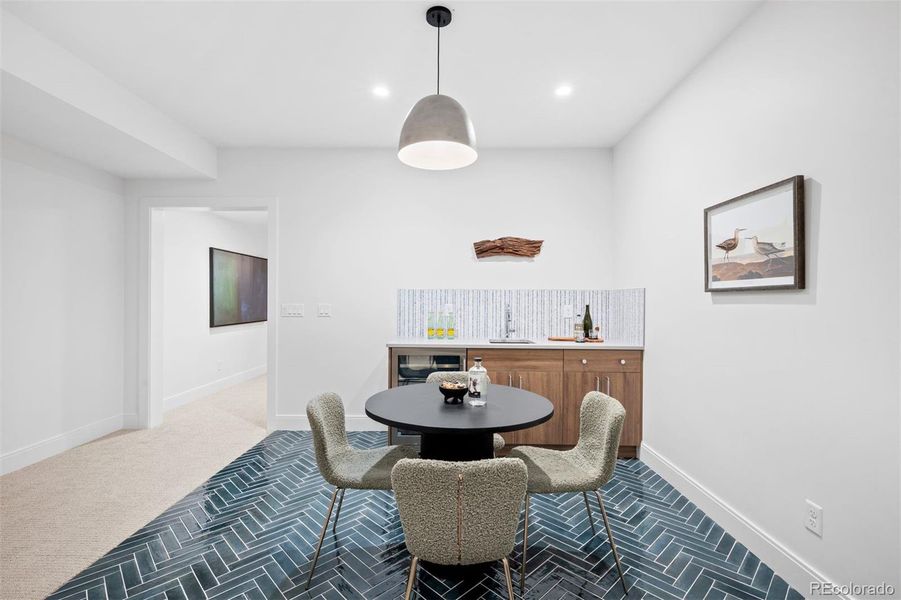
(508, 246)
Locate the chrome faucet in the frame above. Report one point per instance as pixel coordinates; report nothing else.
(508, 322)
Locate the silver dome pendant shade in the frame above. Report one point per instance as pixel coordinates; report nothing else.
(437, 133)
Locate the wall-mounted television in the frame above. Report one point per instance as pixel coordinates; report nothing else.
(238, 288)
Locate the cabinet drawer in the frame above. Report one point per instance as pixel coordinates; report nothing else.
(602, 361)
(517, 360)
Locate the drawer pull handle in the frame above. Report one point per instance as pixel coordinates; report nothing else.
(622, 361)
(510, 379)
(597, 385)
(607, 377)
(520, 382)
(584, 361)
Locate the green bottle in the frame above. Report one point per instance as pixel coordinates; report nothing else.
(587, 325)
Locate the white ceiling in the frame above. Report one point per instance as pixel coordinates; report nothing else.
(301, 73)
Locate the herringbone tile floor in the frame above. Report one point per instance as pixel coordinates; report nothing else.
(249, 532)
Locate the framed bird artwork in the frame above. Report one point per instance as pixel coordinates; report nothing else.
(756, 241)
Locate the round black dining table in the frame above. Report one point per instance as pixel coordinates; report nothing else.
(457, 431)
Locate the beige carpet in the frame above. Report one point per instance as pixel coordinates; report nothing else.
(60, 515)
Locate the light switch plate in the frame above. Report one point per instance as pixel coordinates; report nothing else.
(325, 310)
(292, 310)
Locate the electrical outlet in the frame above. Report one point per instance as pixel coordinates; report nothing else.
(325, 310)
(219, 366)
(813, 518)
(292, 310)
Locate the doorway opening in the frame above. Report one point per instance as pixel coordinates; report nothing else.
(209, 320)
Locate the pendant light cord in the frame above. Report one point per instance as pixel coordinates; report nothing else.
(438, 84)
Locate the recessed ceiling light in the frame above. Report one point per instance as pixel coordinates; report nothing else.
(563, 90)
(381, 91)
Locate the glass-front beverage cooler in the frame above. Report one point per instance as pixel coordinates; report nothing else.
(413, 365)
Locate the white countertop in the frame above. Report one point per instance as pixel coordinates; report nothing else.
(484, 343)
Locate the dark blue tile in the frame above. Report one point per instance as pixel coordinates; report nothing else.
(737, 555)
(191, 586)
(700, 588)
(688, 577)
(793, 594)
(677, 565)
(176, 593)
(203, 575)
(749, 566)
(671, 551)
(115, 586)
(763, 577)
(248, 534)
(97, 593)
(778, 589)
(130, 573)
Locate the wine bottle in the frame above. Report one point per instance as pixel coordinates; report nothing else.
(587, 325)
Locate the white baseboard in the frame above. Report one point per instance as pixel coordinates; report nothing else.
(212, 387)
(300, 423)
(788, 565)
(17, 459)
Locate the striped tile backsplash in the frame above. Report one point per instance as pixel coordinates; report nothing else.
(537, 314)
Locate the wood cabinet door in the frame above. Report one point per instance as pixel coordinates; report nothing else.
(550, 385)
(577, 384)
(505, 359)
(630, 398)
(500, 377)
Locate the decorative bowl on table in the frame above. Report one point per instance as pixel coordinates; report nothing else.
(453, 391)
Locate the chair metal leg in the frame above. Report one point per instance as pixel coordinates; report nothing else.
(525, 541)
(322, 536)
(411, 579)
(338, 511)
(619, 567)
(590, 518)
(508, 578)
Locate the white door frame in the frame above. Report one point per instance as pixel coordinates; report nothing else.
(150, 300)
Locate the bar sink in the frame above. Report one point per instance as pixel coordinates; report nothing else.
(509, 341)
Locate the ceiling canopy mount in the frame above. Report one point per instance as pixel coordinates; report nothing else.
(438, 16)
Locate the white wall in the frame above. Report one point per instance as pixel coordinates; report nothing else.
(355, 225)
(765, 399)
(62, 304)
(197, 359)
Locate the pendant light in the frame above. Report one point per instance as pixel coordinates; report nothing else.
(437, 133)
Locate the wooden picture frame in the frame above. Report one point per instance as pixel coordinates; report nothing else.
(746, 240)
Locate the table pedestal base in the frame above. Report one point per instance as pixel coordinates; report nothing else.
(461, 447)
(474, 572)
(441, 446)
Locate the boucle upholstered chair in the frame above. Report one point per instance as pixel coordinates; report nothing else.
(461, 377)
(341, 464)
(585, 468)
(459, 513)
